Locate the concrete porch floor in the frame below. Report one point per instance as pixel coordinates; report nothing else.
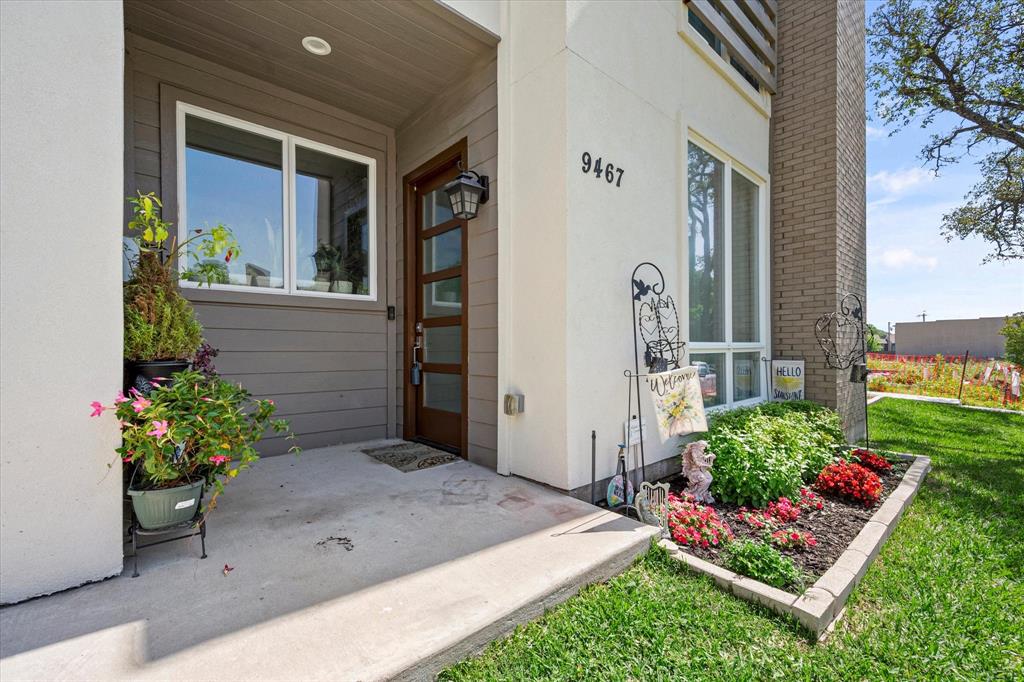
(442, 561)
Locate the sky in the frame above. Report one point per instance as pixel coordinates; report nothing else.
(911, 267)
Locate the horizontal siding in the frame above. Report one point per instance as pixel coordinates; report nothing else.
(326, 369)
(470, 112)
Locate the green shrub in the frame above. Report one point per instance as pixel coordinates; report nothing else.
(1013, 330)
(760, 561)
(769, 451)
(162, 326)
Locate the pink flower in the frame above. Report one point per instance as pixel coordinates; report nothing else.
(97, 408)
(159, 428)
(120, 398)
(204, 398)
(155, 384)
(219, 459)
(126, 459)
(140, 404)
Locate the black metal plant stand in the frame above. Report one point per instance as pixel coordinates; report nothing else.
(197, 526)
(842, 337)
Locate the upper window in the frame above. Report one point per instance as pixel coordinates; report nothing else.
(726, 279)
(302, 211)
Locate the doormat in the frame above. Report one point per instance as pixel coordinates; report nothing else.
(408, 457)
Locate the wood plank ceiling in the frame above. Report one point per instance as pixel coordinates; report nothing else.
(388, 58)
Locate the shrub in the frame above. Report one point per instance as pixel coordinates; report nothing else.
(762, 562)
(766, 452)
(850, 481)
(695, 524)
(788, 538)
(160, 326)
(870, 460)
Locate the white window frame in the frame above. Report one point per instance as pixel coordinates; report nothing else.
(289, 215)
(728, 347)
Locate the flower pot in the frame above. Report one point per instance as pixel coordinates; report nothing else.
(168, 506)
(139, 374)
(341, 287)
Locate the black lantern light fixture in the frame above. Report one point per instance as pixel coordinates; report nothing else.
(467, 192)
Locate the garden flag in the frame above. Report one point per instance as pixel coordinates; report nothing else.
(678, 403)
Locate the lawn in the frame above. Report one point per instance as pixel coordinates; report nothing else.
(944, 599)
(983, 384)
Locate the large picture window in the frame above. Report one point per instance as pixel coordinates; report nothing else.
(303, 212)
(726, 225)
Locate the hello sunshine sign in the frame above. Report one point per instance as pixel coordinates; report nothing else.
(787, 379)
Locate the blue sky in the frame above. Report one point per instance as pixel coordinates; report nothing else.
(911, 267)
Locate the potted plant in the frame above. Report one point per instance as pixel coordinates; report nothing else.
(161, 332)
(186, 437)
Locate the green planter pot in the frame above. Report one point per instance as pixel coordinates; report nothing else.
(158, 508)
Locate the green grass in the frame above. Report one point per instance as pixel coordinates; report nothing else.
(944, 600)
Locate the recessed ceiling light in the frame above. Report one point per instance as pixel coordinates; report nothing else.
(317, 46)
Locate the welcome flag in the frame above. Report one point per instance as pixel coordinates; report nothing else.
(678, 403)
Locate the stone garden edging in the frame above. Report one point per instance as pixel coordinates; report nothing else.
(821, 605)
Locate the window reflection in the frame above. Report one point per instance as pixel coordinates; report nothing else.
(706, 241)
(332, 223)
(234, 177)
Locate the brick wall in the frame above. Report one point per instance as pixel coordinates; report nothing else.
(818, 169)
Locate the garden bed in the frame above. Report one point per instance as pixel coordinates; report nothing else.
(834, 527)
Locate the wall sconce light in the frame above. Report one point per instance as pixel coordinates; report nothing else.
(467, 192)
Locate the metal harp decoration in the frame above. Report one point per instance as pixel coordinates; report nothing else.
(652, 505)
(656, 327)
(842, 336)
(656, 320)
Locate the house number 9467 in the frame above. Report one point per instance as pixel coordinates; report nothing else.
(610, 173)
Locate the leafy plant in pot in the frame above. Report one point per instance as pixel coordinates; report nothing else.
(187, 436)
(161, 333)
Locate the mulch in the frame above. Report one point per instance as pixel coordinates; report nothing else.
(834, 527)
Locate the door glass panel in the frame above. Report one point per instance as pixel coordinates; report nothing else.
(443, 251)
(711, 370)
(234, 177)
(436, 208)
(746, 375)
(442, 391)
(443, 344)
(332, 223)
(442, 298)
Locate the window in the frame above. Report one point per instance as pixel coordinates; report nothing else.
(726, 279)
(303, 212)
(716, 44)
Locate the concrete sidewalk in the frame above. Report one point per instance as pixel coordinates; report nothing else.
(344, 569)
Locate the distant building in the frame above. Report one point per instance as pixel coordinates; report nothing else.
(952, 337)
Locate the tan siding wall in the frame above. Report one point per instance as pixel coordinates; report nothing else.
(469, 111)
(326, 364)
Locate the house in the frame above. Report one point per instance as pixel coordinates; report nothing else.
(979, 336)
(722, 141)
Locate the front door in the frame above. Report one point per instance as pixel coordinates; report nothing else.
(435, 308)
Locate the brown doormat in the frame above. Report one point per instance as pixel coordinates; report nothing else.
(408, 456)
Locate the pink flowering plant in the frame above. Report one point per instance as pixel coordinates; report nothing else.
(695, 524)
(194, 428)
(790, 538)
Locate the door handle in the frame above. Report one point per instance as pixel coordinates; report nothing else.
(416, 370)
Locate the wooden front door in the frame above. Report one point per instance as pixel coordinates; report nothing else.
(435, 307)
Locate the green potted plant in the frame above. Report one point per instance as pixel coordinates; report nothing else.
(187, 436)
(161, 332)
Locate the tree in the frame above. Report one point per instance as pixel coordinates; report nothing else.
(964, 57)
(1013, 330)
(875, 338)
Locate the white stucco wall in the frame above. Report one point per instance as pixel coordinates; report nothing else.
(633, 90)
(61, 161)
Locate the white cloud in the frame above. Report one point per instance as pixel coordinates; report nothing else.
(906, 258)
(874, 133)
(898, 182)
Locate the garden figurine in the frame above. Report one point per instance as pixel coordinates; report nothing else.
(697, 463)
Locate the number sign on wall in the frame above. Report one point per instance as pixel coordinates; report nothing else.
(609, 172)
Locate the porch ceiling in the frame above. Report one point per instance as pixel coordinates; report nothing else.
(388, 59)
